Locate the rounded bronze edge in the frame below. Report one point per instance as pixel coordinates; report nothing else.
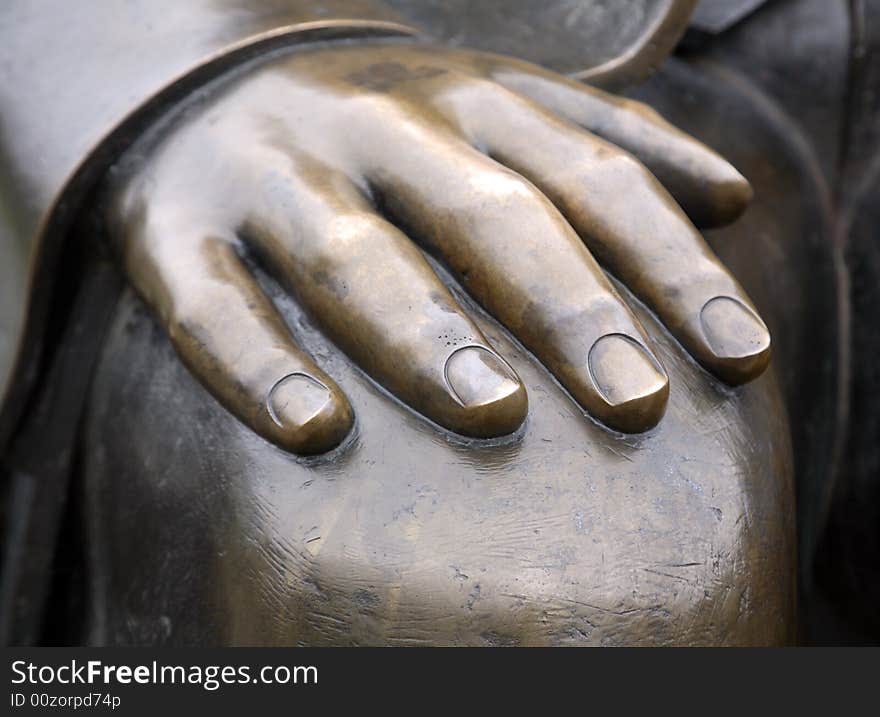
(643, 58)
(59, 216)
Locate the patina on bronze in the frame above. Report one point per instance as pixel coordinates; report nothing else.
(330, 166)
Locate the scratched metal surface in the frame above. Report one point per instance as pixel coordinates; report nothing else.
(204, 534)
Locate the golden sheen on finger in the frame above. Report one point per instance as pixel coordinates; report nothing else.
(331, 166)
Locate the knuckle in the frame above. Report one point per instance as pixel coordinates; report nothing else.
(346, 238)
(628, 171)
(474, 96)
(349, 229)
(501, 187)
(632, 168)
(485, 87)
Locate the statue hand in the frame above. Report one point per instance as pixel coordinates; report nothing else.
(333, 165)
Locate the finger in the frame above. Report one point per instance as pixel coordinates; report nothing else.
(514, 252)
(380, 301)
(630, 223)
(234, 341)
(710, 190)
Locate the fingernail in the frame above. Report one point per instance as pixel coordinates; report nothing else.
(312, 418)
(737, 337)
(298, 399)
(477, 376)
(624, 372)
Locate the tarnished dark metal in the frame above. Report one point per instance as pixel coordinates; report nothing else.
(717, 16)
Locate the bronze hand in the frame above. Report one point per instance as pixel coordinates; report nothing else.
(335, 164)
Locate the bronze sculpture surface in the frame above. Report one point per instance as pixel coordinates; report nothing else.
(313, 163)
(318, 160)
